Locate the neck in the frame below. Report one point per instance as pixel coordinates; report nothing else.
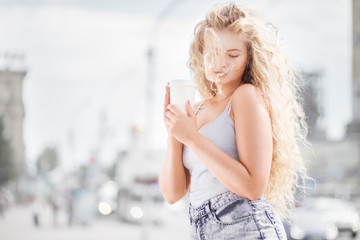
(225, 91)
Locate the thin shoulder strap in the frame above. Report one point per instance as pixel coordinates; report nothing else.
(199, 107)
(228, 107)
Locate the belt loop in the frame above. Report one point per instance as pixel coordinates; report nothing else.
(208, 207)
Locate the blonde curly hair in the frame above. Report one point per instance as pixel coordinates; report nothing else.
(271, 72)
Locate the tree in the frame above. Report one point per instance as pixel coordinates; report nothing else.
(7, 167)
(47, 160)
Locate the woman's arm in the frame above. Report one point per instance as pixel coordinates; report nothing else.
(174, 177)
(247, 178)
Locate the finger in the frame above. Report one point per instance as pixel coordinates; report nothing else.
(167, 96)
(169, 115)
(165, 117)
(174, 109)
(190, 112)
(167, 122)
(168, 93)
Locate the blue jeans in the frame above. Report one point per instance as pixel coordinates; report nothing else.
(229, 216)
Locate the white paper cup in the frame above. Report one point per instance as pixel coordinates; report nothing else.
(182, 91)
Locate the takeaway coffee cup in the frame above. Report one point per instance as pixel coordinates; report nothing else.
(182, 91)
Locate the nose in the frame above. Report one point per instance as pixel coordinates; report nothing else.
(221, 62)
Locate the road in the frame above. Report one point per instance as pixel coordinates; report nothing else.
(18, 225)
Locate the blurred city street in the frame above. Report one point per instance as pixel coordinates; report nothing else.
(17, 225)
(82, 136)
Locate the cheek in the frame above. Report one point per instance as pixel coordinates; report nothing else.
(236, 67)
(240, 65)
(209, 65)
(209, 75)
(209, 62)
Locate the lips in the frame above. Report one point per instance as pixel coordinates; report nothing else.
(220, 74)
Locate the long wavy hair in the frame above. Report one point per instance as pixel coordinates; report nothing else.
(271, 72)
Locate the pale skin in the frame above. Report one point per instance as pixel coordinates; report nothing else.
(247, 177)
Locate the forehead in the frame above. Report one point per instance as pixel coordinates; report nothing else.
(225, 39)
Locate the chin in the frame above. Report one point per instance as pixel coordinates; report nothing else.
(223, 81)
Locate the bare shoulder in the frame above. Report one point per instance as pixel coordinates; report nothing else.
(247, 95)
(248, 101)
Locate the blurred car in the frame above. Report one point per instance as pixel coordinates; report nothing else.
(341, 212)
(141, 202)
(323, 218)
(308, 225)
(107, 196)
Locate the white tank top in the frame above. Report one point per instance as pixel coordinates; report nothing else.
(204, 184)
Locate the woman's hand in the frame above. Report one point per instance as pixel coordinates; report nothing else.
(182, 127)
(166, 103)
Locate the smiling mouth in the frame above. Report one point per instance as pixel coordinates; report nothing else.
(220, 74)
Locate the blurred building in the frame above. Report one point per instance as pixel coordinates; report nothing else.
(337, 161)
(327, 161)
(12, 107)
(312, 93)
(353, 129)
(333, 161)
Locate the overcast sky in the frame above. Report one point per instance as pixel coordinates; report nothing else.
(87, 67)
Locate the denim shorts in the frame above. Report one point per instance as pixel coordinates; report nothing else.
(229, 216)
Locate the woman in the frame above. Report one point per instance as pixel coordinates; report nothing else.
(238, 150)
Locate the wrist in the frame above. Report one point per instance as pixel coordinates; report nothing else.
(195, 138)
(173, 141)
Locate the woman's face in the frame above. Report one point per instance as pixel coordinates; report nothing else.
(225, 59)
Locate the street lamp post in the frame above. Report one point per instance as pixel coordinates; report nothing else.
(149, 91)
(150, 78)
